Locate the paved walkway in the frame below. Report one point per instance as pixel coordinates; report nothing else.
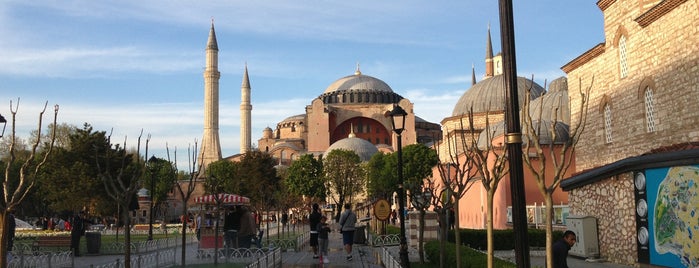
(363, 256)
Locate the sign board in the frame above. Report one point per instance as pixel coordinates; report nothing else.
(382, 210)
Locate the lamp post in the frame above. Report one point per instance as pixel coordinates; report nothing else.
(398, 124)
(4, 124)
(151, 166)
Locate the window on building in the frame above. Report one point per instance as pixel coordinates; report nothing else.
(650, 117)
(608, 123)
(623, 66)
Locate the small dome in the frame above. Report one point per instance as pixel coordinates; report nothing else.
(555, 103)
(294, 118)
(364, 149)
(358, 81)
(489, 95)
(267, 133)
(143, 192)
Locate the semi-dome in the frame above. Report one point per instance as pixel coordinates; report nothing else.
(554, 104)
(364, 149)
(489, 95)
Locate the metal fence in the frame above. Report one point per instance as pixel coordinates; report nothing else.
(388, 260)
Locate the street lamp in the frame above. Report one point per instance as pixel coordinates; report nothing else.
(398, 124)
(4, 124)
(151, 166)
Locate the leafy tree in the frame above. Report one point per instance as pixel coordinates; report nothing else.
(221, 177)
(382, 180)
(160, 169)
(344, 175)
(258, 178)
(16, 185)
(305, 177)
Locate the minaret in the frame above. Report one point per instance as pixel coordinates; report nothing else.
(473, 74)
(245, 110)
(210, 143)
(489, 56)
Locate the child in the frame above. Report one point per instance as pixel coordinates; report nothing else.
(323, 230)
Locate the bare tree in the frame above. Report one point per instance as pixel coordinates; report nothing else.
(122, 182)
(541, 134)
(457, 173)
(15, 186)
(185, 192)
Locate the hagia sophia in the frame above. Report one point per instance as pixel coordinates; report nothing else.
(639, 134)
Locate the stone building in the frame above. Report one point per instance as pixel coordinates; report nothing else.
(638, 161)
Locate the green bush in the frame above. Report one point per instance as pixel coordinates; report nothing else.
(469, 256)
(504, 239)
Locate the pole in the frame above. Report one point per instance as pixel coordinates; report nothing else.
(150, 213)
(404, 260)
(513, 136)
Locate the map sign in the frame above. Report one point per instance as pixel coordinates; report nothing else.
(673, 195)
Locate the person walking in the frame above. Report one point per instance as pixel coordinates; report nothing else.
(323, 230)
(313, 221)
(348, 220)
(77, 230)
(561, 248)
(247, 228)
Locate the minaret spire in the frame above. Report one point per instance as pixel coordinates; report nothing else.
(473, 74)
(210, 143)
(489, 56)
(245, 112)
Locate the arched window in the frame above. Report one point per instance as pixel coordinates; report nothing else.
(608, 123)
(650, 116)
(623, 65)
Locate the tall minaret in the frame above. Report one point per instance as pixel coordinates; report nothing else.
(489, 70)
(245, 110)
(210, 143)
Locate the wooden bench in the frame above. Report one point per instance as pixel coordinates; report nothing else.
(52, 242)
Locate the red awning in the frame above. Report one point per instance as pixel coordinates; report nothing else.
(223, 198)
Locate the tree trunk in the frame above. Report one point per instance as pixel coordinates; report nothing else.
(185, 217)
(489, 227)
(421, 236)
(548, 199)
(4, 236)
(457, 234)
(127, 238)
(445, 228)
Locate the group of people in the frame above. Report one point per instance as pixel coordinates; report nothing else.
(320, 230)
(239, 225)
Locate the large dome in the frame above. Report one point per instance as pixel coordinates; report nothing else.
(364, 149)
(489, 95)
(358, 81)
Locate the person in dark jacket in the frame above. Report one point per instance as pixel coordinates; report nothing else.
(561, 248)
(313, 221)
(78, 230)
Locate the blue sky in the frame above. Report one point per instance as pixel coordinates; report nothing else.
(129, 65)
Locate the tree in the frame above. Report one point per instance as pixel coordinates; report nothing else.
(456, 172)
(185, 188)
(161, 169)
(73, 164)
(541, 134)
(305, 177)
(121, 181)
(418, 161)
(344, 175)
(382, 180)
(16, 186)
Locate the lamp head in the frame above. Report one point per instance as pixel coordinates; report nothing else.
(398, 119)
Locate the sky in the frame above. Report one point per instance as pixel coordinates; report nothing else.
(131, 65)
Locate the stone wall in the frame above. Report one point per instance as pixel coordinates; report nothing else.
(612, 202)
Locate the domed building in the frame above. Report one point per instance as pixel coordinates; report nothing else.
(478, 119)
(351, 109)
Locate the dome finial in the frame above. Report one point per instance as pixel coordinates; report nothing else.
(351, 135)
(357, 72)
